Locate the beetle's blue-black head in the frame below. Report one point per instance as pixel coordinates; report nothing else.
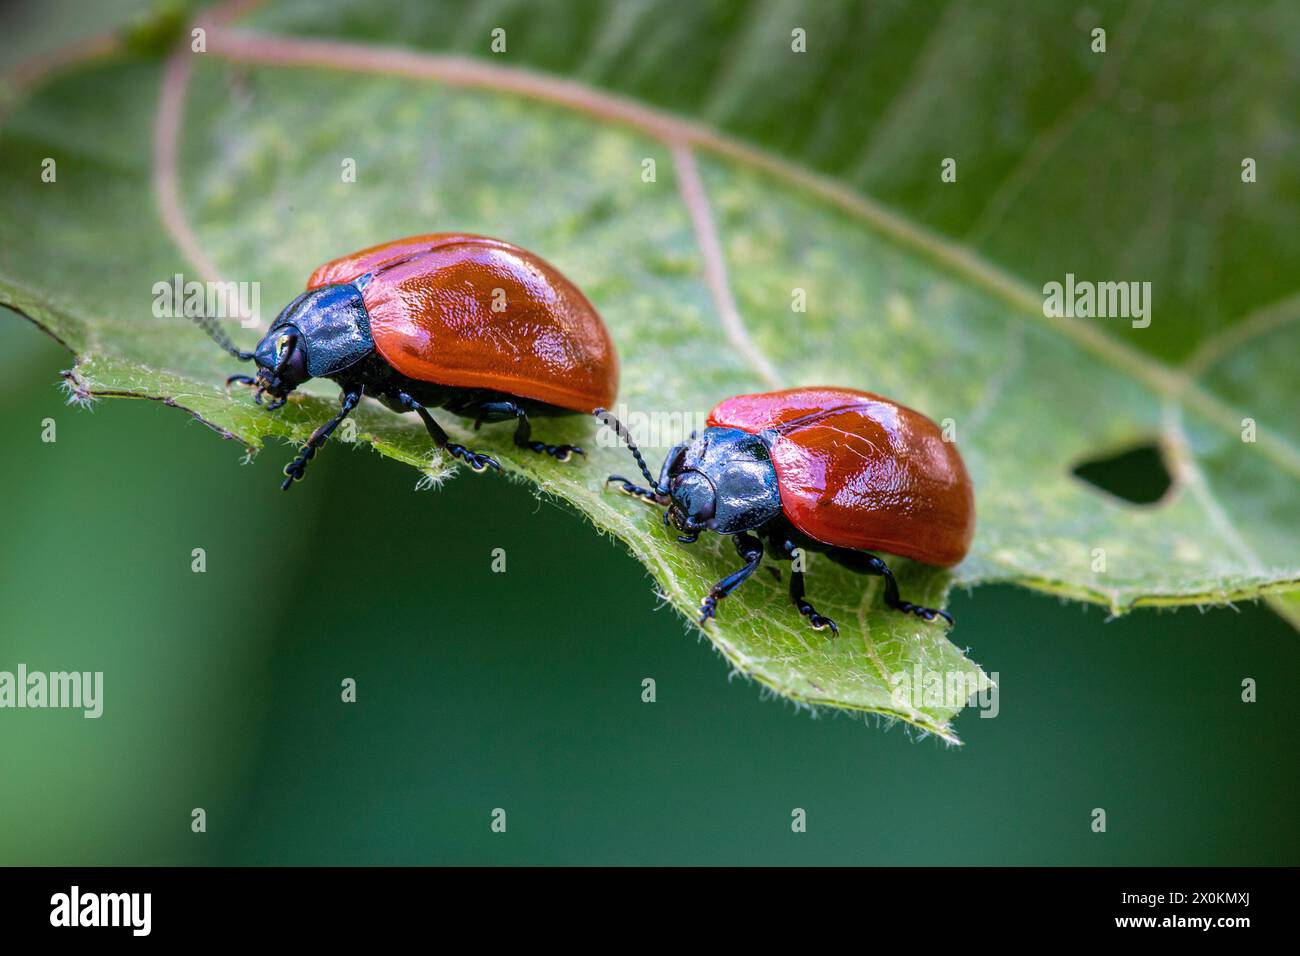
(319, 334)
(722, 480)
(281, 362)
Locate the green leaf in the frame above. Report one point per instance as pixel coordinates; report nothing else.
(1287, 606)
(769, 167)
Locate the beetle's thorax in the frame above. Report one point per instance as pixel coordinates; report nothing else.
(333, 326)
(723, 480)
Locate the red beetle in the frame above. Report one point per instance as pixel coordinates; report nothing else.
(448, 320)
(824, 469)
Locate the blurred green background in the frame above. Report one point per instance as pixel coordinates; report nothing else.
(522, 690)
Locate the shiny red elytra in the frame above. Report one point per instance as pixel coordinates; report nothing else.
(479, 313)
(475, 325)
(856, 470)
(834, 470)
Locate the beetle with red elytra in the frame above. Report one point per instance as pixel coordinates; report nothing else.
(834, 470)
(474, 325)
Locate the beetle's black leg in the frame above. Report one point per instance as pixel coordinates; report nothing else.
(893, 600)
(817, 621)
(500, 411)
(870, 564)
(647, 495)
(523, 438)
(751, 552)
(296, 468)
(477, 461)
(786, 549)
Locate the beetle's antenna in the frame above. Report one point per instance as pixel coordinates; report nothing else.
(215, 333)
(621, 432)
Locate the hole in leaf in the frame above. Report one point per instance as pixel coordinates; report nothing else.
(1138, 475)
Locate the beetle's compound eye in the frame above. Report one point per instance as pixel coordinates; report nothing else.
(288, 357)
(694, 495)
